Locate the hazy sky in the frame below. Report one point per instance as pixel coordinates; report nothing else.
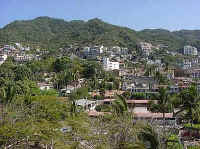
(136, 14)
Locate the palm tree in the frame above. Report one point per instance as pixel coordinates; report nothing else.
(7, 94)
(161, 102)
(188, 102)
(120, 106)
(150, 137)
(166, 67)
(73, 108)
(76, 68)
(160, 78)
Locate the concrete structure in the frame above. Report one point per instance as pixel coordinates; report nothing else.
(138, 105)
(90, 53)
(140, 110)
(189, 50)
(44, 86)
(3, 58)
(86, 104)
(108, 65)
(23, 58)
(195, 73)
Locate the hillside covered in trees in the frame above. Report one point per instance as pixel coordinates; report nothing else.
(53, 33)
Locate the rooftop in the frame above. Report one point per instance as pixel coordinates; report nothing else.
(152, 115)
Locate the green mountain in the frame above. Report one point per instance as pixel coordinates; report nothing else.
(51, 33)
(161, 36)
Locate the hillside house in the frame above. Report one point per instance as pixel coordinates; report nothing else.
(3, 58)
(189, 50)
(44, 86)
(23, 57)
(110, 65)
(141, 112)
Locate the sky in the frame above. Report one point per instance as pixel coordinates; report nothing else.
(136, 14)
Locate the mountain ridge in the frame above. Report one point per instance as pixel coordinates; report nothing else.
(53, 32)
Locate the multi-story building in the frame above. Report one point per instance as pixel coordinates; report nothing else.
(194, 73)
(189, 63)
(189, 50)
(23, 58)
(92, 52)
(108, 65)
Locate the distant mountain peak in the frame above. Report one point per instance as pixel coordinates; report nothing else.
(43, 18)
(96, 20)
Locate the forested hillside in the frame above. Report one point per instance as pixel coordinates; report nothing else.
(51, 32)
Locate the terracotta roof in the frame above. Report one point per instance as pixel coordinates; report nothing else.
(113, 92)
(152, 115)
(95, 94)
(106, 100)
(138, 101)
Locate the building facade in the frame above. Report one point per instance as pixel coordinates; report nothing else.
(189, 50)
(108, 65)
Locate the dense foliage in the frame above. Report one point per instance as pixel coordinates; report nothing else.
(51, 33)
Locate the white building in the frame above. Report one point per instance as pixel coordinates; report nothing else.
(116, 49)
(108, 65)
(189, 50)
(91, 53)
(44, 86)
(86, 104)
(188, 63)
(3, 58)
(102, 49)
(146, 48)
(23, 58)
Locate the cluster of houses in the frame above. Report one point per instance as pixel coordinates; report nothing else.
(133, 79)
(110, 57)
(191, 57)
(114, 59)
(147, 48)
(19, 53)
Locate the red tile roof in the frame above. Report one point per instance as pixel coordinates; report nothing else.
(108, 100)
(152, 115)
(138, 101)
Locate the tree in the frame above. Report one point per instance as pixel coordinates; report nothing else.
(8, 93)
(160, 78)
(150, 137)
(188, 100)
(79, 93)
(160, 102)
(22, 72)
(76, 69)
(91, 70)
(61, 64)
(62, 79)
(120, 106)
